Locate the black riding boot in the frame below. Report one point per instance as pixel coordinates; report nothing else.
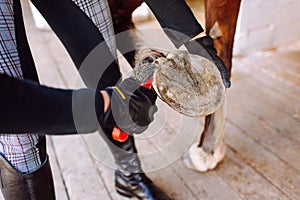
(37, 185)
(130, 179)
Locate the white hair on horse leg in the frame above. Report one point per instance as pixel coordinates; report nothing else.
(215, 129)
(197, 159)
(215, 31)
(213, 148)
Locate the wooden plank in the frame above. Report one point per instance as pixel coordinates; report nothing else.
(264, 94)
(275, 141)
(245, 180)
(197, 185)
(172, 184)
(81, 178)
(243, 66)
(59, 184)
(274, 67)
(275, 119)
(282, 176)
(108, 178)
(290, 59)
(166, 178)
(103, 162)
(283, 147)
(172, 130)
(162, 177)
(209, 185)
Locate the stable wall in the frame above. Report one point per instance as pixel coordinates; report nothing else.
(266, 24)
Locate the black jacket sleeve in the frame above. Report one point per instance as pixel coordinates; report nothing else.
(176, 18)
(27, 107)
(82, 40)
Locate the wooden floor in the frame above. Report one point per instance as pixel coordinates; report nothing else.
(262, 128)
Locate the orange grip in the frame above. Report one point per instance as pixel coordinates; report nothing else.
(148, 83)
(119, 135)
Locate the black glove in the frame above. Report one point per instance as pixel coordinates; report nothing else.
(204, 47)
(132, 107)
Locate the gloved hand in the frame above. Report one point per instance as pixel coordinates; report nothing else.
(132, 107)
(204, 46)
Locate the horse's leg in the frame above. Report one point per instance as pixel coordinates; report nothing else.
(225, 13)
(222, 15)
(211, 149)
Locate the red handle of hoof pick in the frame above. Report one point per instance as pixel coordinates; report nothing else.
(147, 84)
(119, 135)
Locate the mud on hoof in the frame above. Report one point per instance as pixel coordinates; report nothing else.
(199, 160)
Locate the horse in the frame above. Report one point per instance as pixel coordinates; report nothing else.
(221, 17)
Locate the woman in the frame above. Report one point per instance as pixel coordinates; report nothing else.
(28, 108)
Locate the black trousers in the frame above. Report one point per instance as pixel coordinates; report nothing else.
(80, 36)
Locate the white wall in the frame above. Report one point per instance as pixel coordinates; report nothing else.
(265, 24)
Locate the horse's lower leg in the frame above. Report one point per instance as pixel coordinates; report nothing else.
(225, 12)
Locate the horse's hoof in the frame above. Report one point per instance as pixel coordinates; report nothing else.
(197, 159)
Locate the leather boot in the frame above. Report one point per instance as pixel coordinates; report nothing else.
(130, 180)
(37, 185)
